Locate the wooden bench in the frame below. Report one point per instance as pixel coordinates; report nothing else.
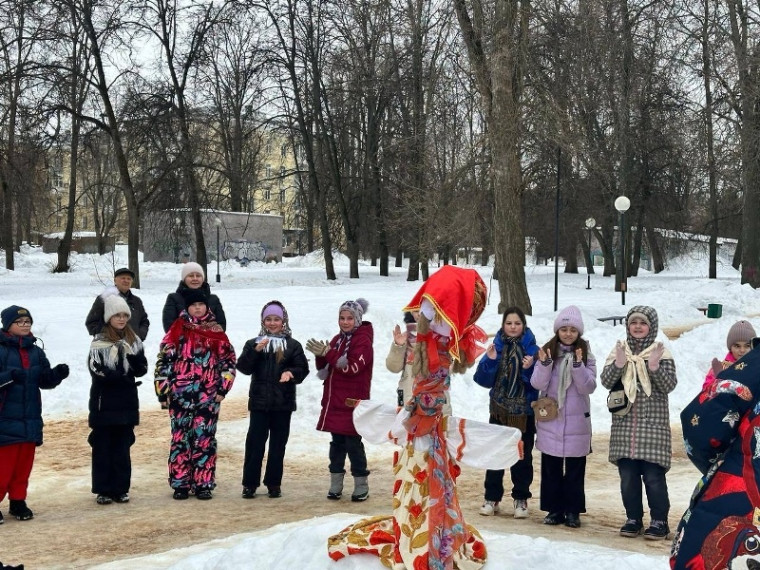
(615, 319)
(703, 309)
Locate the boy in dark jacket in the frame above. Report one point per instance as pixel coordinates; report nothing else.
(276, 363)
(24, 369)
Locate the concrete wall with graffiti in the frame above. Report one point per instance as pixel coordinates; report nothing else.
(243, 237)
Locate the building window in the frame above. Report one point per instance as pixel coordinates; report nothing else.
(269, 171)
(58, 203)
(84, 222)
(283, 150)
(267, 194)
(282, 195)
(58, 221)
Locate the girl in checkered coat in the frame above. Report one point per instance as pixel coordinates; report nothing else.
(640, 440)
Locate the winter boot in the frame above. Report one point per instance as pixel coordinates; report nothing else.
(19, 510)
(361, 489)
(336, 486)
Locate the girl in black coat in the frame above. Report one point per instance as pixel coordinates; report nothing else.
(116, 358)
(276, 363)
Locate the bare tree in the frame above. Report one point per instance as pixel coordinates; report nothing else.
(497, 63)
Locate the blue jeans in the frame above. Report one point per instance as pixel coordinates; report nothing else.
(632, 472)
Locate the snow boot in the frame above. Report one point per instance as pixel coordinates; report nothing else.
(361, 489)
(336, 486)
(19, 510)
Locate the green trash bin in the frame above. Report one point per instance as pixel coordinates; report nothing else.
(714, 311)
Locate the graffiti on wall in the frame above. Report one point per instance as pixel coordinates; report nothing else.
(244, 251)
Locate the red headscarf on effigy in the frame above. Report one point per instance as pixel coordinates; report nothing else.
(459, 298)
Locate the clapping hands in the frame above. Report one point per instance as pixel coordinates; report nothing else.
(654, 357)
(620, 357)
(317, 347)
(399, 338)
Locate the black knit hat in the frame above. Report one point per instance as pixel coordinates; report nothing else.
(194, 296)
(12, 314)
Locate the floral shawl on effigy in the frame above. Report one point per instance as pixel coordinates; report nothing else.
(427, 529)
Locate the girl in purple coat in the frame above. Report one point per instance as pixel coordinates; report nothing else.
(345, 365)
(566, 372)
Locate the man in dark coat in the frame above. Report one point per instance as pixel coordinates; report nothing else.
(122, 279)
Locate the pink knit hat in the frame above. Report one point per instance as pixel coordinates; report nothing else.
(741, 331)
(570, 316)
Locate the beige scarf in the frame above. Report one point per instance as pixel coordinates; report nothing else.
(637, 372)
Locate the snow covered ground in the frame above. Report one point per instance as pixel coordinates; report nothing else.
(60, 302)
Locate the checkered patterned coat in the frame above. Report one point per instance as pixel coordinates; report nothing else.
(644, 432)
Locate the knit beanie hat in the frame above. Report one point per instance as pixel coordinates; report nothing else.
(192, 267)
(570, 316)
(113, 305)
(356, 308)
(13, 313)
(194, 296)
(278, 310)
(741, 331)
(272, 309)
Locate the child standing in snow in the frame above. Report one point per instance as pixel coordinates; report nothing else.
(194, 372)
(640, 439)
(24, 370)
(739, 343)
(567, 373)
(345, 365)
(276, 363)
(506, 369)
(116, 359)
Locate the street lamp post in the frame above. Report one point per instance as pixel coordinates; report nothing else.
(218, 224)
(622, 203)
(177, 222)
(590, 223)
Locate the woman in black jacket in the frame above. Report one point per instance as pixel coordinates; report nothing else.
(276, 363)
(193, 277)
(116, 358)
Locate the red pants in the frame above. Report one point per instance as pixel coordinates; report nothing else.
(16, 462)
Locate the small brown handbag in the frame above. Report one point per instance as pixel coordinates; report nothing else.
(545, 409)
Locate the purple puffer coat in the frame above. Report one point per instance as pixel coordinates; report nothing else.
(569, 434)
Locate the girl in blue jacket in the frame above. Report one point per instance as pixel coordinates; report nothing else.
(506, 369)
(24, 369)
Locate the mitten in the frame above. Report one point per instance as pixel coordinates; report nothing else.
(654, 357)
(18, 374)
(620, 358)
(717, 366)
(61, 370)
(317, 347)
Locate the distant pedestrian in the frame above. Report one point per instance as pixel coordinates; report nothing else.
(193, 278)
(116, 358)
(24, 370)
(122, 279)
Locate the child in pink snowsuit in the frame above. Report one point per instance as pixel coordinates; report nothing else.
(194, 372)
